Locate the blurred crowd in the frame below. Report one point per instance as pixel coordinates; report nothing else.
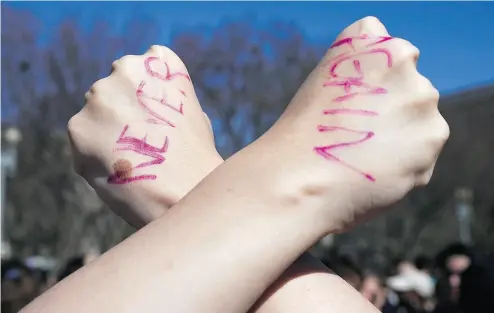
(455, 281)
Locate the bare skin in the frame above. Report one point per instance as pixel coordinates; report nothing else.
(307, 283)
(250, 233)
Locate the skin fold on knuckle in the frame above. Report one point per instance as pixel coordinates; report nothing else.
(405, 54)
(72, 128)
(426, 96)
(122, 63)
(96, 90)
(372, 25)
(442, 130)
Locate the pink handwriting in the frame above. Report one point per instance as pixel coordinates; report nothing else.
(147, 102)
(324, 151)
(163, 76)
(352, 86)
(155, 118)
(349, 111)
(141, 147)
(350, 40)
(349, 83)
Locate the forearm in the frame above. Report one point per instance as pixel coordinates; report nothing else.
(217, 250)
(308, 286)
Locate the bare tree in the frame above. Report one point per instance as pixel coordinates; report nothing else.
(51, 206)
(245, 76)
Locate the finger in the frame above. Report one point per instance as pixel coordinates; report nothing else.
(369, 25)
(424, 178)
(372, 26)
(439, 140)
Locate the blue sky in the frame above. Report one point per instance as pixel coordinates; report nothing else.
(456, 39)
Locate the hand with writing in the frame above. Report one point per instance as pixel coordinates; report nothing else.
(361, 132)
(116, 103)
(142, 139)
(363, 129)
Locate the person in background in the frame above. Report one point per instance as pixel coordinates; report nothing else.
(477, 287)
(425, 264)
(373, 289)
(444, 304)
(451, 263)
(42, 268)
(400, 265)
(19, 286)
(415, 289)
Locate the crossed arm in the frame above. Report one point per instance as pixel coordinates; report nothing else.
(247, 222)
(214, 255)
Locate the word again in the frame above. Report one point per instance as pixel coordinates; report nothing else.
(352, 86)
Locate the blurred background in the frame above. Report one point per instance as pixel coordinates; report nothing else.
(246, 59)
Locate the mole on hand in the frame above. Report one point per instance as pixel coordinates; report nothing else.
(122, 169)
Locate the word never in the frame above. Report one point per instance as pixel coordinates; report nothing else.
(146, 102)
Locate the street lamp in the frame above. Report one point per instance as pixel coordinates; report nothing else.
(11, 137)
(463, 208)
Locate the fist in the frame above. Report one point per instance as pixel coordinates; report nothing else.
(364, 128)
(142, 140)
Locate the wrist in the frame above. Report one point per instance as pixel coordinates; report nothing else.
(256, 174)
(162, 195)
(238, 215)
(318, 192)
(142, 202)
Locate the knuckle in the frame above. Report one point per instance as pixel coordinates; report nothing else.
(406, 44)
(443, 130)
(116, 65)
(405, 50)
(369, 21)
(123, 62)
(98, 88)
(165, 53)
(72, 127)
(411, 51)
(372, 25)
(369, 25)
(158, 50)
(424, 179)
(415, 53)
(429, 95)
(435, 95)
(432, 92)
(88, 97)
